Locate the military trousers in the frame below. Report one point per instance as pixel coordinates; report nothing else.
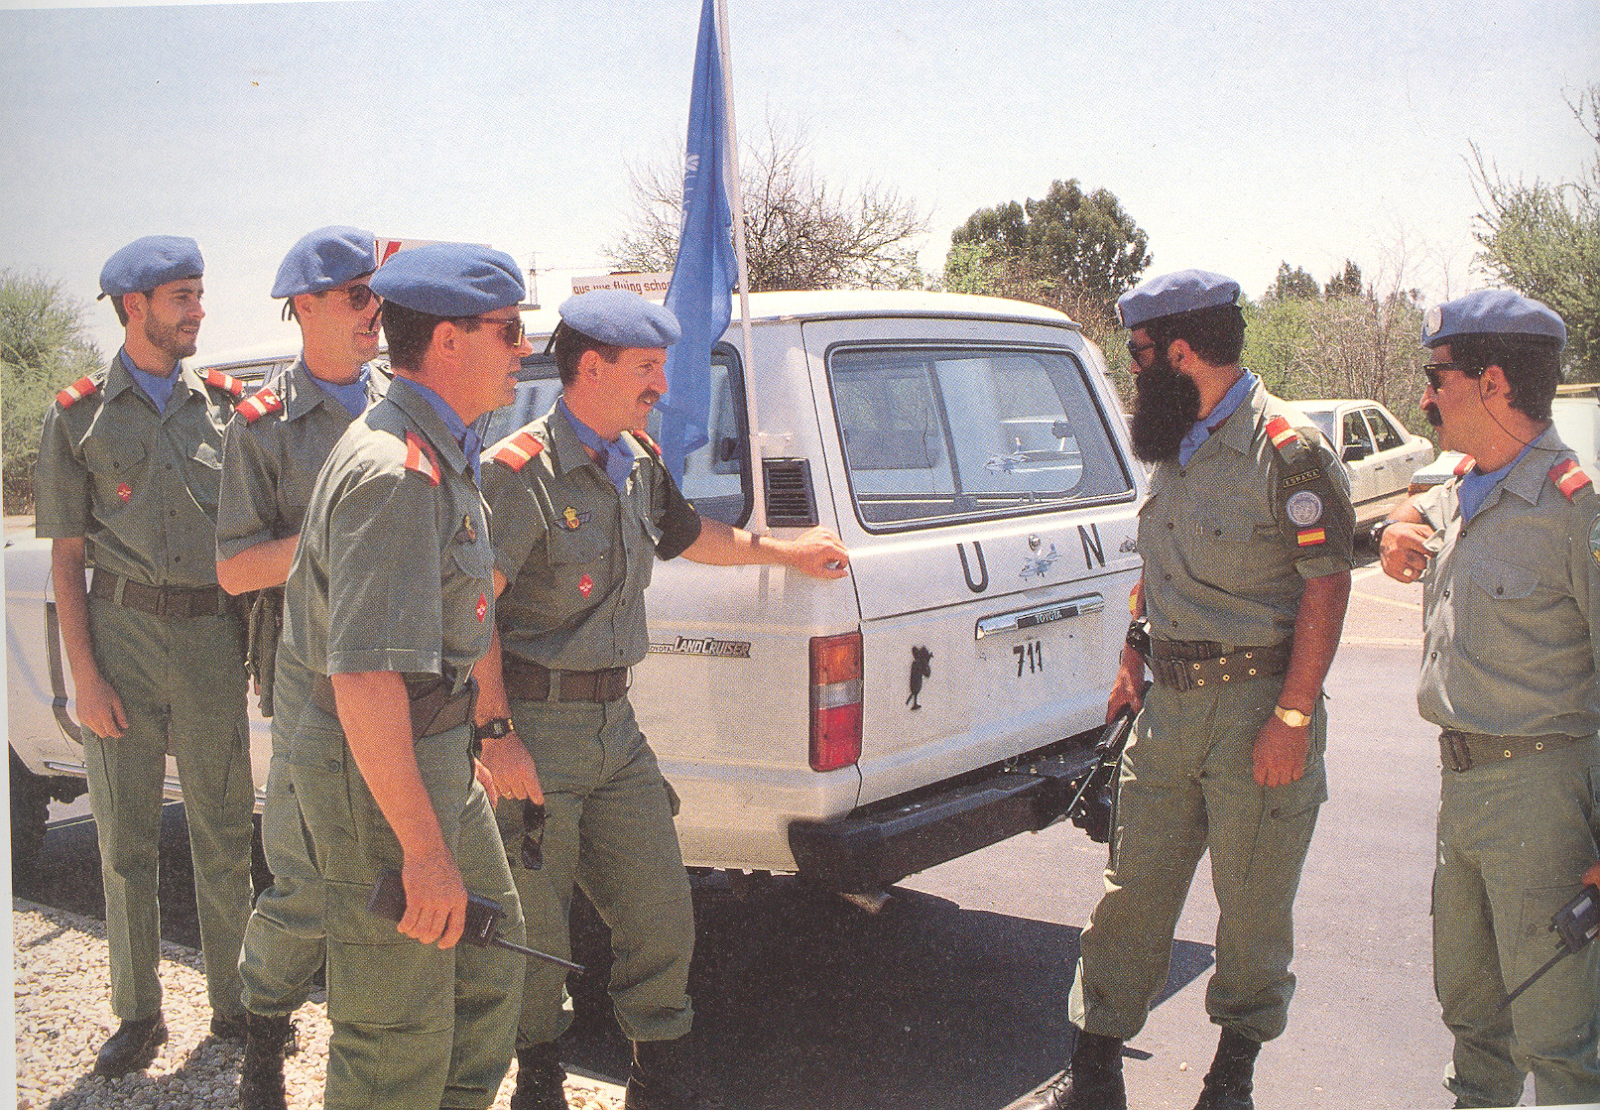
(283, 942)
(1514, 839)
(181, 681)
(413, 1025)
(608, 828)
(1186, 788)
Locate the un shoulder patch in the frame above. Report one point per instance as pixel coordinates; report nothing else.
(76, 392)
(1569, 478)
(259, 403)
(515, 452)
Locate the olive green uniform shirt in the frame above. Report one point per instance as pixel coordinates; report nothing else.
(140, 486)
(576, 554)
(1510, 603)
(393, 571)
(1229, 539)
(271, 463)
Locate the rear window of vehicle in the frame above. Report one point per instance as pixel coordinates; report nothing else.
(937, 434)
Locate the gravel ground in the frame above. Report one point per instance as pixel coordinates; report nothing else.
(63, 1015)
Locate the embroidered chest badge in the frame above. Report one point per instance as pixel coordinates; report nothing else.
(585, 585)
(483, 607)
(572, 519)
(466, 534)
(124, 492)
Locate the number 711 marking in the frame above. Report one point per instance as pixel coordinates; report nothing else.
(1029, 655)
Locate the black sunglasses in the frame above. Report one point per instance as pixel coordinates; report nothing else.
(360, 296)
(1434, 369)
(532, 835)
(1137, 349)
(511, 330)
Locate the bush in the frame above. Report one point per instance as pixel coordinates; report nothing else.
(42, 348)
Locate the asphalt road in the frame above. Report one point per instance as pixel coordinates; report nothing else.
(953, 997)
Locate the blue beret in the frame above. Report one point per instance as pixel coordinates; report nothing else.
(1170, 294)
(146, 263)
(621, 318)
(449, 279)
(327, 257)
(1491, 312)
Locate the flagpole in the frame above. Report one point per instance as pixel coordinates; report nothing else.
(736, 202)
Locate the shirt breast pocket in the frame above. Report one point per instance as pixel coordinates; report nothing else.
(1503, 581)
(475, 560)
(579, 558)
(119, 467)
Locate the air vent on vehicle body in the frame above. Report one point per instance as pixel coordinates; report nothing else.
(790, 501)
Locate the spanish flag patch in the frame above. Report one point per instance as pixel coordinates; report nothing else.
(1310, 537)
(1281, 434)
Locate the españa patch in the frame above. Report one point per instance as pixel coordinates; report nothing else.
(420, 458)
(1569, 478)
(515, 452)
(1310, 537)
(1301, 479)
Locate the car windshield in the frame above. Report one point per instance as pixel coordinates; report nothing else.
(932, 435)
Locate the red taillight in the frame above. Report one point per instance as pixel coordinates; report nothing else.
(835, 701)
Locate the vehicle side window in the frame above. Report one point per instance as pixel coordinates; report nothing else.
(1354, 439)
(1384, 434)
(932, 435)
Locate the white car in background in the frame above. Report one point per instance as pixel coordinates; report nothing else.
(1576, 413)
(1378, 453)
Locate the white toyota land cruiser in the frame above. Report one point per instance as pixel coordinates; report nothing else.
(972, 456)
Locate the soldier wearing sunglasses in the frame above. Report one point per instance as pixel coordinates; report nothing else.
(389, 604)
(272, 451)
(1508, 554)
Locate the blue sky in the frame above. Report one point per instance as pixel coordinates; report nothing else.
(1236, 134)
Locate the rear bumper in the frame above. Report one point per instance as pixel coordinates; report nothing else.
(882, 843)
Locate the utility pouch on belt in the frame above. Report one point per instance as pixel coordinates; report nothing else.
(264, 628)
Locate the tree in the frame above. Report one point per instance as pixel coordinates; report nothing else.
(1543, 240)
(800, 233)
(1346, 284)
(1072, 250)
(43, 346)
(1294, 284)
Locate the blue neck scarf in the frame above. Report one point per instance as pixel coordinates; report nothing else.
(1202, 430)
(155, 387)
(352, 395)
(615, 458)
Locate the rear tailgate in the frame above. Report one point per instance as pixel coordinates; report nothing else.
(985, 494)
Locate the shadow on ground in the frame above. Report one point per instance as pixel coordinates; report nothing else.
(802, 1000)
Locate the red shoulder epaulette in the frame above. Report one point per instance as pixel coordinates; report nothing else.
(76, 392)
(229, 384)
(1467, 463)
(421, 458)
(515, 452)
(258, 404)
(1282, 435)
(1569, 478)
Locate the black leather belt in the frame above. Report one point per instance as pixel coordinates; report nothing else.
(1192, 664)
(158, 601)
(531, 682)
(434, 709)
(1462, 751)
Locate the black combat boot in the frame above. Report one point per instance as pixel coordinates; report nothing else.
(267, 1041)
(132, 1046)
(539, 1078)
(659, 1078)
(1232, 1076)
(1092, 1081)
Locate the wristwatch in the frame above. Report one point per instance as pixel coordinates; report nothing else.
(492, 729)
(1291, 717)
